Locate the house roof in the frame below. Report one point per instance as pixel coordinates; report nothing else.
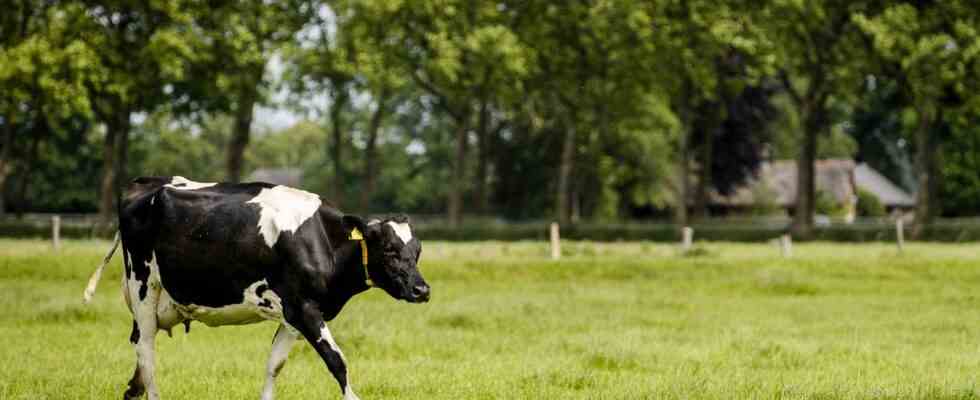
(888, 193)
(278, 176)
(838, 177)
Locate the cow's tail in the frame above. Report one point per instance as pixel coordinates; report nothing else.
(93, 282)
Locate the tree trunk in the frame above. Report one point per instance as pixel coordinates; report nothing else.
(370, 153)
(563, 195)
(683, 184)
(122, 153)
(927, 166)
(40, 131)
(337, 146)
(7, 141)
(459, 172)
(113, 160)
(240, 134)
(482, 148)
(711, 116)
(805, 177)
(704, 175)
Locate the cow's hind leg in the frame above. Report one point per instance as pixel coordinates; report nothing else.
(308, 319)
(143, 287)
(281, 344)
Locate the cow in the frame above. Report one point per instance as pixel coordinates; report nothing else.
(231, 254)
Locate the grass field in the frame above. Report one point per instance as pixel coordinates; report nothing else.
(610, 321)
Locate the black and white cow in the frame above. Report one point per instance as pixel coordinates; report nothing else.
(227, 254)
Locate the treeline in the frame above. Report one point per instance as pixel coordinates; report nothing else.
(525, 109)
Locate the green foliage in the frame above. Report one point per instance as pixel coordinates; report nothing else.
(764, 201)
(960, 189)
(868, 204)
(826, 204)
(479, 97)
(164, 147)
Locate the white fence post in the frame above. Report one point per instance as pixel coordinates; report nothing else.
(688, 238)
(56, 232)
(786, 244)
(555, 242)
(900, 233)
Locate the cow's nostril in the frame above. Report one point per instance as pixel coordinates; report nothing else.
(420, 291)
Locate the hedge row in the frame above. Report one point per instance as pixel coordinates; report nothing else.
(669, 233)
(942, 232)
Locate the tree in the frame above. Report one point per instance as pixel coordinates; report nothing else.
(592, 89)
(323, 61)
(711, 53)
(878, 130)
(932, 48)
(142, 48)
(461, 54)
(43, 68)
(814, 43)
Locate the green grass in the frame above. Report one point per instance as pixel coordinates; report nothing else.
(609, 321)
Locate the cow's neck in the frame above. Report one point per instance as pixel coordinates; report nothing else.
(348, 280)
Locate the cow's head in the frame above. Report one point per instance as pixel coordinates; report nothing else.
(393, 256)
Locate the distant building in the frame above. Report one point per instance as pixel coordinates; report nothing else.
(839, 178)
(292, 177)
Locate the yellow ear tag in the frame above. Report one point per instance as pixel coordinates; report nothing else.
(355, 234)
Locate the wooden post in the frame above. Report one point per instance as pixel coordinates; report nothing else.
(56, 232)
(688, 238)
(786, 244)
(900, 233)
(555, 242)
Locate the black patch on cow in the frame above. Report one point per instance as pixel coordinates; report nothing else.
(207, 243)
(141, 272)
(187, 326)
(134, 336)
(136, 388)
(258, 293)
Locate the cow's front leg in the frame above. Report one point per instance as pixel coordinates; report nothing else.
(308, 319)
(281, 344)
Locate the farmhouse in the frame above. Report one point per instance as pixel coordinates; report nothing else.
(840, 180)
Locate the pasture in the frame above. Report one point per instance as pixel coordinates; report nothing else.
(609, 321)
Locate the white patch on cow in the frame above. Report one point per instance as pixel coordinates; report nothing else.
(325, 335)
(145, 314)
(283, 209)
(253, 308)
(281, 344)
(187, 184)
(402, 229)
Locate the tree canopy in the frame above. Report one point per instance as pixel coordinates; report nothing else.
(522, 109)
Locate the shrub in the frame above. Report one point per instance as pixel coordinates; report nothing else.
(868, 204)
(826, 204)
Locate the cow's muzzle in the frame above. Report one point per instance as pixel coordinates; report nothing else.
(420, 294)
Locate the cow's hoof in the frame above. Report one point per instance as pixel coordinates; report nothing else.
(133, 393)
